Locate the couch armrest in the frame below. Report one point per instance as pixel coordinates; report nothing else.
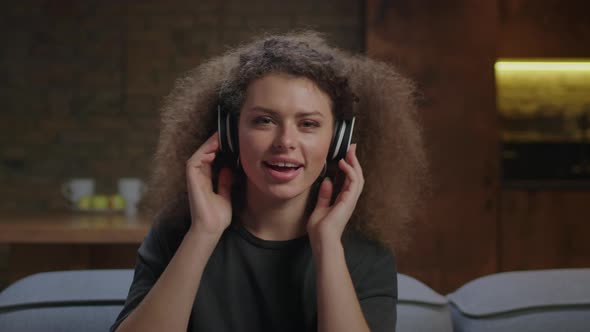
(541, 300)
(419, 308)
(84, 300)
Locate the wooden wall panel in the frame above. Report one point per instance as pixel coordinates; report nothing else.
(448, 48)
(544, 229)
(544, 28)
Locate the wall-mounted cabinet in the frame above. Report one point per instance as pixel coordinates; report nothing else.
(544, 110)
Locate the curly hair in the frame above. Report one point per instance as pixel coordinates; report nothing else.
(389, 140)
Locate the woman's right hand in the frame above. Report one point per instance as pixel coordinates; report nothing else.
(210, 212)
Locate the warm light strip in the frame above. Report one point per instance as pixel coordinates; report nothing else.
(542, 66)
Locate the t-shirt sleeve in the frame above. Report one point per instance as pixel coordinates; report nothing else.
(150, 263)
(375, 281)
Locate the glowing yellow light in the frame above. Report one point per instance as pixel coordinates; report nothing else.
(534, 65)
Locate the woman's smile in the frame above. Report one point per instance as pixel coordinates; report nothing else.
(282, 171)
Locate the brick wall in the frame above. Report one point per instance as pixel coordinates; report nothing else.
(82, 81)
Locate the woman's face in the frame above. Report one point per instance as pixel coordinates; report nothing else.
(285, 129)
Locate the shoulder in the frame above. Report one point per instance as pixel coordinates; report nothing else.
(171, 228)
(359, 248)
(164, 237)
(368, 260)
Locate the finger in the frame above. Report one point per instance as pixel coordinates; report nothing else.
(354, 162)
(207, 158)
(343, 196)
(206, 152)
(351, 158)
(324, 194)
(201, 164)
(209, 146)
(348, 170)
(225, 182)
(351, 152)
(351, 183)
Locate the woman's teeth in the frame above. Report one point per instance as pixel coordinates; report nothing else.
(281, 164)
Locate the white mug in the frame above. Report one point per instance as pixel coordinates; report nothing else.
(74, 189)
(131, 189)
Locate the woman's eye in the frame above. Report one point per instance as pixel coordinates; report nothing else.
(263, 120)
(310, 124)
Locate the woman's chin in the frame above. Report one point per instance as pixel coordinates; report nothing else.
(283, 192)
(279, 192)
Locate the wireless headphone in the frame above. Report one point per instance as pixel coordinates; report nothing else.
(227, 127)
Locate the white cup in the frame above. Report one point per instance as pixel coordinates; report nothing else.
(74, 189)
(131, 189)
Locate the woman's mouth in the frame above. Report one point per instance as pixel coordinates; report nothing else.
(282, 171)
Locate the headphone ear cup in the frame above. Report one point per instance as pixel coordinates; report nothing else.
(333, 143)
(228, 133)
(232, 124)
(347, 137)
(341, 139)
(222, 130)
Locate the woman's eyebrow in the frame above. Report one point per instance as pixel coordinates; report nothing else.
(275, 113)
(302, 114)
(263, 110)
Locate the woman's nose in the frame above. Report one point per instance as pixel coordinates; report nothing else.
(285, 138)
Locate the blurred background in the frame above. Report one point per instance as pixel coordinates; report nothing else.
(504, 97)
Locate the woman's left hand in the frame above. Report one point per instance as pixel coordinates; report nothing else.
(327, 222)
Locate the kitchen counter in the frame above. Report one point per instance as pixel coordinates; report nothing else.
(33, 243)
(73, 228)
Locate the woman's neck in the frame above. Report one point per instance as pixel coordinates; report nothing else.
(272, 219)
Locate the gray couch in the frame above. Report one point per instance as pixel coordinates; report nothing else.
(544, 300)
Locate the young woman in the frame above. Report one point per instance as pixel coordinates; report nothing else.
(258, 227)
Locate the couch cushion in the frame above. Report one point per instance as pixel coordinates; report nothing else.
(86, 300)
(420, 308)
(540, 300)
(87, 318)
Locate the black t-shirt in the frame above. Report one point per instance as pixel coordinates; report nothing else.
(250, 284)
